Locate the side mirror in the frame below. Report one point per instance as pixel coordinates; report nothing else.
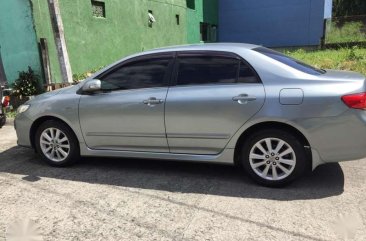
(92, 86)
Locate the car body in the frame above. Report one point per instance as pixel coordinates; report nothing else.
(180, 114)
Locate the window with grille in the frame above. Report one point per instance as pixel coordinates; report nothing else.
(98, 9)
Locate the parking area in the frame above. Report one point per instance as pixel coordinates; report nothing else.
(125, 199)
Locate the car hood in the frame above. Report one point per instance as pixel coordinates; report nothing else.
(53, 93)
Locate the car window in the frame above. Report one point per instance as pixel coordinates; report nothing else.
(294, 63)
(247, 74)
(136, 75)
(199, 70)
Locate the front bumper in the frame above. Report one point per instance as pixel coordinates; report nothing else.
(22, 125)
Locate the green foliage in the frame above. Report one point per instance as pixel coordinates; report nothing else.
(353, 59)
(27, 83)
(353, 55)
(349, 7)
(349, 32)
(78, 77)
(11, 114)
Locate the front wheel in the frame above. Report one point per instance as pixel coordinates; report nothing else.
(2, 120)
(57, 144)
(273, 157)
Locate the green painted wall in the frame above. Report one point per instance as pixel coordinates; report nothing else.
(205, 11)
(19, 48)
(94, 42)
(42, 21)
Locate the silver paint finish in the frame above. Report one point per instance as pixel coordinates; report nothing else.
(291, 96)
(123, 120)
(205, 122)
(194, 124)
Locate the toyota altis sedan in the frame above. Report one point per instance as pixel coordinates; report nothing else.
(238, 104)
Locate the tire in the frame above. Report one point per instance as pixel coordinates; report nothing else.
(274, 167)
(57, 144)
(2, 120)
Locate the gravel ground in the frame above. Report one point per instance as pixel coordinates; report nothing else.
(124, 199)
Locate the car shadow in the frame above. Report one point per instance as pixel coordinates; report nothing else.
(182, 177)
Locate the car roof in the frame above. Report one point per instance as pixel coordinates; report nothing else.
(226, 47)
(232, 47)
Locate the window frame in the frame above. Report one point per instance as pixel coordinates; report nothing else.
(167, 78)
(211, 53)
(304, 67)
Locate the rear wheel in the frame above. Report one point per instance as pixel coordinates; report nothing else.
(273, 157)
(57, 144)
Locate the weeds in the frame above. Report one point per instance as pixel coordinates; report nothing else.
(353, 59)
(349, 32)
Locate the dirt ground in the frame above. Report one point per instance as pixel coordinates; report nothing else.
(125, 199)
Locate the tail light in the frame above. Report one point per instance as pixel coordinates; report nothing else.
(355, 101)
(6, 101)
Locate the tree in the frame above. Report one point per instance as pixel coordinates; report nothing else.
(349, 7)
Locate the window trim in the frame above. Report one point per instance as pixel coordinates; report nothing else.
(210, 53)
(167, 77)
(306, 68)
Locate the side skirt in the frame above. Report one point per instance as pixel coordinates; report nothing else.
(225, 157)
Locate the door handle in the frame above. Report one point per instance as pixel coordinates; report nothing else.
(244, 98)
(152, 101)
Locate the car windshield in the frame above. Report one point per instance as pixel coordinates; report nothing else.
(294, 63)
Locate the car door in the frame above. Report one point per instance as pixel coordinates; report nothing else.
(128, 114)
(215, 93)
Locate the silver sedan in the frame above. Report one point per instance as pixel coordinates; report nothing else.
(242, 104)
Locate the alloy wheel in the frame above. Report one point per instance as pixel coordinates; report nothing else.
(272, 159)
(54, 144)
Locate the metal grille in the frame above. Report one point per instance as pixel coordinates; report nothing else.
(98, 9)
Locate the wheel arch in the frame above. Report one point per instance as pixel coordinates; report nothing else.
(272, 125)
(36, 124)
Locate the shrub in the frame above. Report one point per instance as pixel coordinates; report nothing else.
(27, 83)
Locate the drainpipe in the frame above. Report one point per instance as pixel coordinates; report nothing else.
(58, 31)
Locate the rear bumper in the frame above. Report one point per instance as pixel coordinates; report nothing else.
(339, 138)
(22, 125)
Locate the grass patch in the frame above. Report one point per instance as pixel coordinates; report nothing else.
(353, 59)
(349, 32)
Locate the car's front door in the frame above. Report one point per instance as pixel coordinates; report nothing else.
(214, 95)
(128, 114)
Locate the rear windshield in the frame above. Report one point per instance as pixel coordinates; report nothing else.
(294, 63)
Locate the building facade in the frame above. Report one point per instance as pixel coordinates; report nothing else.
(18, 40)
(279, 23)
(79, 36)
(97, 32)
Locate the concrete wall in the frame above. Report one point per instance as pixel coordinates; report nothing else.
(205, 11)
(271, 23)
(19, 48)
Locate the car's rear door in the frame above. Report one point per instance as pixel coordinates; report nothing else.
(215, 93)
(128, 114)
